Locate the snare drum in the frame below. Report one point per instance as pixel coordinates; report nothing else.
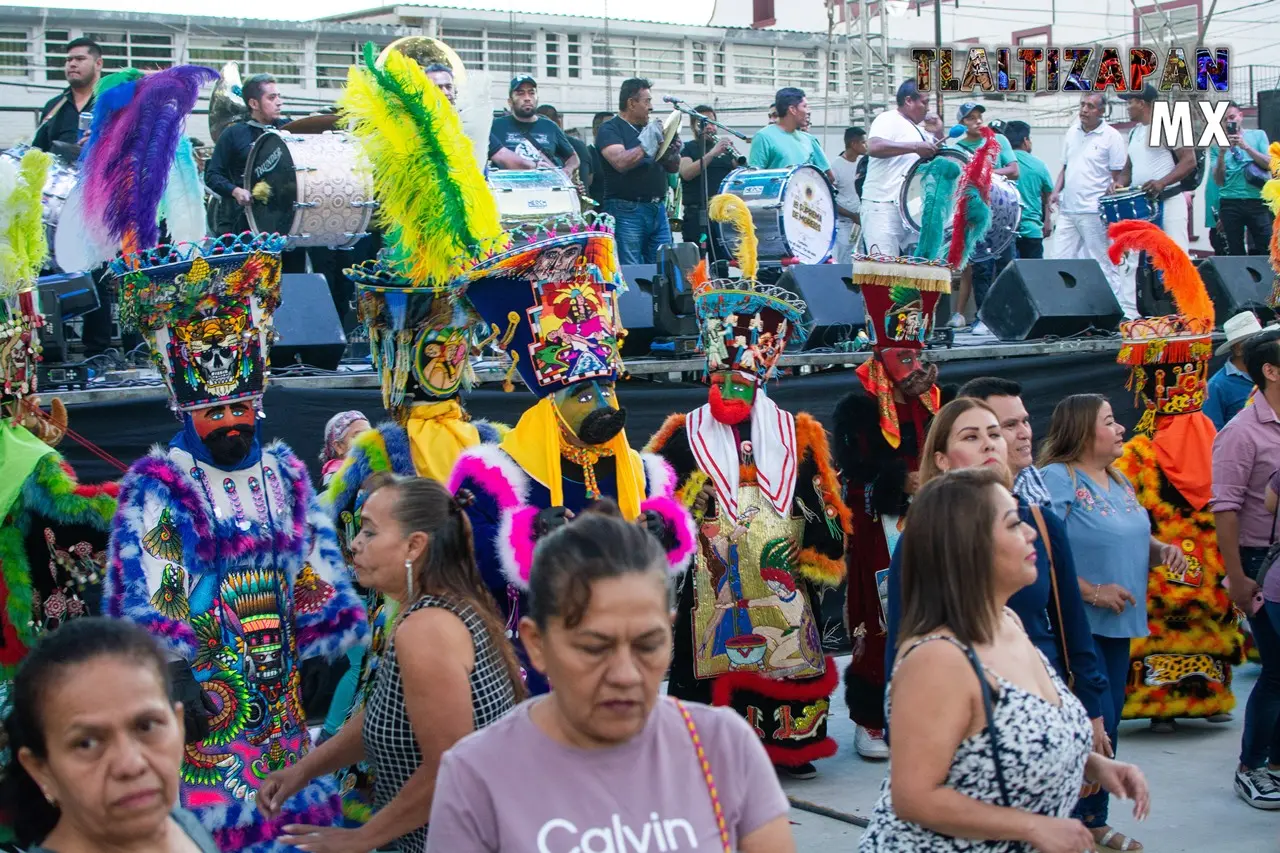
(793, 210)
(318, 189)
(526, 196)
(59, 180)
(1127, 204)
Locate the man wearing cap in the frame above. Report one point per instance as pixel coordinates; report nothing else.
(525, 140)
(1157, 169)
(977, 278)
(894, 142)
(1230, 387)
(785, 142)
(1093, 162)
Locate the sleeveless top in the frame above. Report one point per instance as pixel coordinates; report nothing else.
(1043, 748)
(389, 743)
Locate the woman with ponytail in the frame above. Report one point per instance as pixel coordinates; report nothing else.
(448, 669)
(95, 746)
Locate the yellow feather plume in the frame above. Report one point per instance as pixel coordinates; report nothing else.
(433, 200)
(261, 192)
(23, 243)
(1271, 190)
(725, 208)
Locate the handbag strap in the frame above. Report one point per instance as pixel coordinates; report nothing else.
(705, 766)
(988, 707)
(1056, 598)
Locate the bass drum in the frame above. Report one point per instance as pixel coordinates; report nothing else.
(793, 209)
(1006, 208)
(529, 196)
(59, 180)
(314, 190)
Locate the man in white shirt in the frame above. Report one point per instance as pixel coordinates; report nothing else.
(845, 168)
(895, 141)
(1093, 162)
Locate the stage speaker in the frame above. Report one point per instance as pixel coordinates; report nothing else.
(833, 307)
(63, 297)
(309, 330)
(635, 308)
(1238, 283)
(1269, 113)
(1042, 298)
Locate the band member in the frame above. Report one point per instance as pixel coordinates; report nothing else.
(442, 76)
(895, 141)
(224, 173)
(879, 430)
(705, 161)
(525, 140)
(1183, 668)
(63, 120)
(554, 303)
(846, 168)
(787, 141)
(770, 524)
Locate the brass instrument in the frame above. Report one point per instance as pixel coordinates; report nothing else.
(425, 51)
(226, 105)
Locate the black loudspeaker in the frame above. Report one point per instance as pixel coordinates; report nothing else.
(307, 324)
(833, 308)
(1042, 298)
(635, 308)
(1269, 113)
(1238, 283)
(63, 297)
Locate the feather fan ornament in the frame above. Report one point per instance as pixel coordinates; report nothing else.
(428, 185)
(1181, 278)
(973, 211)
(113, 93)
(23, 245)
(182, 205)
(726, 208)
(940, 179)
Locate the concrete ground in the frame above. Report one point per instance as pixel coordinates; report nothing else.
(1194, 808)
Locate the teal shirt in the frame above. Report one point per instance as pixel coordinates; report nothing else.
(774, 148)
(1004, 158)
(1033, 182)
(1235, 186)
(1211, 194)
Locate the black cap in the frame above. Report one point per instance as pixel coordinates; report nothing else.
(968, 107)
(519, 80)
(1147, 93)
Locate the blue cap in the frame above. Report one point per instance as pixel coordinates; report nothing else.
(968, 107)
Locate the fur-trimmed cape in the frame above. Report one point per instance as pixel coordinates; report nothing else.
(208, 583)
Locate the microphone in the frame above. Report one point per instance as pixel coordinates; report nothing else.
(670, 100)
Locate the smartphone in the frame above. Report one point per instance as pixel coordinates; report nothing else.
(1233, 127)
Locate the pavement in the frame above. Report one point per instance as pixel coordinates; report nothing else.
(1194, 808)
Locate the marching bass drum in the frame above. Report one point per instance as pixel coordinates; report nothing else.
(529, 196)
(1005, 203)
(793, 209)
(315, 190)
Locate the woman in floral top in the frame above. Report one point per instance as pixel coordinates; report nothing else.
(1110, 536)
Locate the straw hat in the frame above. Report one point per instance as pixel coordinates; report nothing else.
(1240, 327)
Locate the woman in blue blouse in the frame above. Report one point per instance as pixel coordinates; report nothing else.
(967, 434)
(1110, 536)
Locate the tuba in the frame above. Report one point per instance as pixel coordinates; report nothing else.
(425, 51)
(226, 104)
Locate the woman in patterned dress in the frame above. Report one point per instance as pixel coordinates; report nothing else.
(448, 669)
(992, 764)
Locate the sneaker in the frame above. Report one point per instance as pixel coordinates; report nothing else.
(956, 321)
(980, 328)
(1258, 788)
(801, 771)
(870, 744)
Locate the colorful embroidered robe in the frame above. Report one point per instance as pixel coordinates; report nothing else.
(240, 574)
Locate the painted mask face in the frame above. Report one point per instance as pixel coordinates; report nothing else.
(732, 396)
(556, 264)
(908, 370)
(440, 361)
(226, 430)
(590, 410)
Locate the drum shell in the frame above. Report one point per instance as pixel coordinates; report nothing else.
(1127, 204)
(529, 196)
(793, 210)
(332, 189)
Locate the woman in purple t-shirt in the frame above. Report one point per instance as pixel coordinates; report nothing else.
(604, 762)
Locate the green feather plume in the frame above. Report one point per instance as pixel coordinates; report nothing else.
(23, 243)
(940, 178)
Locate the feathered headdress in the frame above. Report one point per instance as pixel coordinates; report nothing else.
(726, 208)
(432, 196)
(1271, 195)
(973, 212)
(23, 248)
(941, 174)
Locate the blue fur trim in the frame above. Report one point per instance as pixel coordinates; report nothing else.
(388, 438)
(398, 449)
(490, 433)
(321, 793)
(342, 622)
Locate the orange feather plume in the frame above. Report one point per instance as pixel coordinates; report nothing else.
(699, 277)
(1181, 278)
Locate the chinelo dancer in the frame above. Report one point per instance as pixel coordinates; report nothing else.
(771, 525)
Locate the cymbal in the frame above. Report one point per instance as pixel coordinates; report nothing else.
(313, 124)
(670, 127)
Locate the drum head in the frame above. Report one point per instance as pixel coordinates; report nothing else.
(808, 215)
(912, 199)
(269, 174)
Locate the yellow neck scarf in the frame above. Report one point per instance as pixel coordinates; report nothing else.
(438, 433)
(534, 444)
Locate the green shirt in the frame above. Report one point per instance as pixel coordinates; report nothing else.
(1033, 182)
(1004, 158)
(775, 148)
(1235, 186)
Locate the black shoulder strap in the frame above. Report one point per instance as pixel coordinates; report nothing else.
(988, 707)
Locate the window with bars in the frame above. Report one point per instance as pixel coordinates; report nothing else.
(660, 59)
(281, 58)
(798, 67)
(574, 45)
(553, 54)
(510, 53)
(610, 57)
(145, 51)
(55, 54)
(752, 65)
(833, 71)
(14, 57)
(333, 58)
(468, 44)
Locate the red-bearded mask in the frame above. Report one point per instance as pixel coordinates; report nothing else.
(732, 396)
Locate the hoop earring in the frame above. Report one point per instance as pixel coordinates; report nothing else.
(408, 580)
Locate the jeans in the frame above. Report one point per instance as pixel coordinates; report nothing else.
(1114, 654)
(1241, 215)
(1261, 739)
(985, 272)
(694, 228)
(640, 228)
(1029, 247)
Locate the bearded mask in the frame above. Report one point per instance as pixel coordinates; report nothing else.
(731, 398)
(908, 371)
(590, 411)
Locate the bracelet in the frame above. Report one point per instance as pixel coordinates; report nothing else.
(1096, 588)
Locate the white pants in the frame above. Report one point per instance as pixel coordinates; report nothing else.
(847, 234)
(1084, 235)
(882, 230)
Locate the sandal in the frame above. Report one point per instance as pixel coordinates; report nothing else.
(1113, 840)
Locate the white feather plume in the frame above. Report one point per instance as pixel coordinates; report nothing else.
(182, 206)
(475, 108)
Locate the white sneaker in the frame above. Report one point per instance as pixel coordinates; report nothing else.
(1258, 788)
(956, 321)
(870, 745)
(980, 328)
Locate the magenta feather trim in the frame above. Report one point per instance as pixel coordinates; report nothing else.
(680, 523)
(490, 477)
(517, 531)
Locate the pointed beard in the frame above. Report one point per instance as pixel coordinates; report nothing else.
(729, 412)
(601, 425)
(229, 445)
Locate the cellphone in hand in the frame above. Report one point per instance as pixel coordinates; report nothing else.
(1233, 127)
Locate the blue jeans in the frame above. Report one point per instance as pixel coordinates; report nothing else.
(985, 272)
(1114, 654)
(1261, 739)
(641, 228)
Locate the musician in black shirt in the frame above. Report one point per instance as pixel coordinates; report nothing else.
(705, 161)
(59, 131)
(224, 174)
(525, 140)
